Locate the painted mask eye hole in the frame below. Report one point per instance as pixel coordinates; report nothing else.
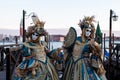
(35, 34)
(88, 30)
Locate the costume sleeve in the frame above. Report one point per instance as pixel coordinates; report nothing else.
(24, 51)
(54, 54)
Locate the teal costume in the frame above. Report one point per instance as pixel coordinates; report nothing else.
(44, 70)
(80, 67)
(83, 60)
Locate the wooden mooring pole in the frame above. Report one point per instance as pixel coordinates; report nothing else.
(8, 67)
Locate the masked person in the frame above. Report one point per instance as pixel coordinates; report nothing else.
(35, 65)
(83, 61)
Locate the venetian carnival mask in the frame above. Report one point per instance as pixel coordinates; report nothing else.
(38, 35)
(87, 32)
(37, 30)
(34, 36)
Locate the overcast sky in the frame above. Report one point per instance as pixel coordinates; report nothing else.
(59, 13)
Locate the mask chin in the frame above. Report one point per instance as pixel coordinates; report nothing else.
(87, 33)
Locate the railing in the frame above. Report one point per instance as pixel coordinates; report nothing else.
(10, 58)
(112, 64)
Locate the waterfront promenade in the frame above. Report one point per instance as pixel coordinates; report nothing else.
(5, 73)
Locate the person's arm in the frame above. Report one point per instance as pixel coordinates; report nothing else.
(54, 53)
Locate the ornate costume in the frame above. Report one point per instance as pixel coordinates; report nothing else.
(35, 65)
(84, 61)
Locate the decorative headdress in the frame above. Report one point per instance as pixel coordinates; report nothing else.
(39, 25)
(37, 29)
(87, 22)
(37, 22)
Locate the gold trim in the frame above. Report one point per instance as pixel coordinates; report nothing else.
(34, 47)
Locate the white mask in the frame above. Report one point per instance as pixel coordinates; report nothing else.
(88, 32)
(34, 36)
